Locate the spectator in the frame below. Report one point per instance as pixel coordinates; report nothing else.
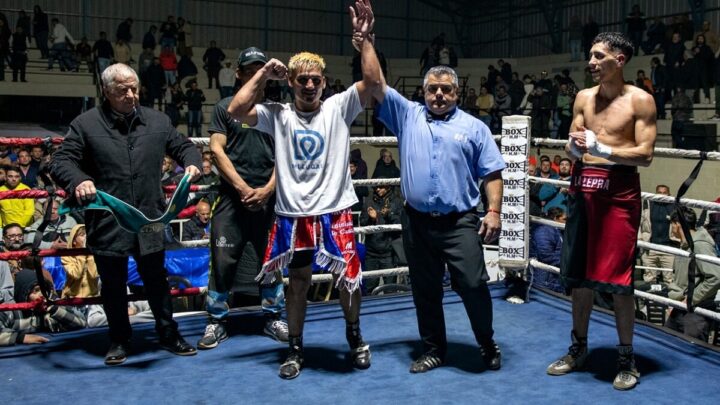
(168, 61)
(168, 33)
(641, 81)
(589, 32)
(551, 196)
(485, 103)
(57, 232)
(705, 68)
(418, 96)
(226, 80)
(103, 51)
(5, 35)
(356, 156)
(361, 192)
(169, 175)
(470, 103)
(655, 37)
(544, 82)
(123, 32)
(385, 168)
(528, 86)
(383, 208)
(682, 113)
(492, 80)
(7, 283)
(541, 110)
(208, 176)
(545, 246)
(19, 55)
(184, 38)
(707, 279)
(23, 22)
(711, 37)
(517, 93)
(17, 327)
(122, 52)
(149, 41)
(212, 60)
(40, 31)
(195, 98)
(428, 59)
(18, 211)
(198, 227)
(635, 26)
(564, 111)
(186, 69)
(13, 241)
(83, 53)
(575, 35)
(145, 60)
(154, 79)
(338, 87)
(673, 61)
(174, 103)
(588, 81)
(59, 49)
(502, 107)
(81, 271)
(655, 228)
(659, 79)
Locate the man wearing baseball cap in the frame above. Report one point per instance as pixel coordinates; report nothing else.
(241, 214)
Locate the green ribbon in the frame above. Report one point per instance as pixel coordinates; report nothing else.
(130, 218)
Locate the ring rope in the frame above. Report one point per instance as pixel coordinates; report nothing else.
(30, 141)
(27, 194)
(663, 152)
(699, 204)
(78, 301)
(645, 245)
(641, 294)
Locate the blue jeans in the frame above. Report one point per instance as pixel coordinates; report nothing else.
(60, 52)
(194, 122)
(170, 77)
(102, 63)
(486, 119)
(226, 91)
(272, 301)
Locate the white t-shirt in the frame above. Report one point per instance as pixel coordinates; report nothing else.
(311, 154)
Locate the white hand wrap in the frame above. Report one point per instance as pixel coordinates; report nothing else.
(596, 148)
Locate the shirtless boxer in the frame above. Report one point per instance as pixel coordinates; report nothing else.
(613, 131)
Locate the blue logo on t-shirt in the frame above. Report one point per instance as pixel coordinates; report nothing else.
(308, 144)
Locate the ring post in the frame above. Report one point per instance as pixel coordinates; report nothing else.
(515, 233)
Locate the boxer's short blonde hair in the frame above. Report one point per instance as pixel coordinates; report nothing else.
(304, 61)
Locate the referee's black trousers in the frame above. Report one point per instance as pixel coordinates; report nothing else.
(430, 244)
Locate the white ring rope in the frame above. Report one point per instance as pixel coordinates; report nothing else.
(699, 204)
(645, 245)
(663, 152)
(376, 182)
(654, 268)
(641, 294)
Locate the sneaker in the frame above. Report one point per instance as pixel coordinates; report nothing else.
(515, 300)
(292, 365)
(215, 333)
(426, 362)
(491, 355)
(574, 360)
(361, 356)
(276, 329)
(628, 376)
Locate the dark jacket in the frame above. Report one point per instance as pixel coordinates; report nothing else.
(122, 159)
(380, 244)
(383, 171)
(194, 99)
(193, 229)
(149, 41)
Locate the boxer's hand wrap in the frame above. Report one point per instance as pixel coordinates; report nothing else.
(575, 151)
(596, 148)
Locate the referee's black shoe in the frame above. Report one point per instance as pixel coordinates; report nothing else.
(491, 355)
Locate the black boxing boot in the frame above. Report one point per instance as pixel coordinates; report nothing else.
(359, 350)
(295, 359)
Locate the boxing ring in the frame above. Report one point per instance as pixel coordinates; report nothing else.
(69, 368)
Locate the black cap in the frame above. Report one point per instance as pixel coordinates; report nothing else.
(251, 55)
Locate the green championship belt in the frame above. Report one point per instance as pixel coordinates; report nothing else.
(130, 218)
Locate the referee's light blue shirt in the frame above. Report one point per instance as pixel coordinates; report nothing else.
(440, 161)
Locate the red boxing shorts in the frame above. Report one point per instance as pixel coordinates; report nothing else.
(330, 236)
(603, 218)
